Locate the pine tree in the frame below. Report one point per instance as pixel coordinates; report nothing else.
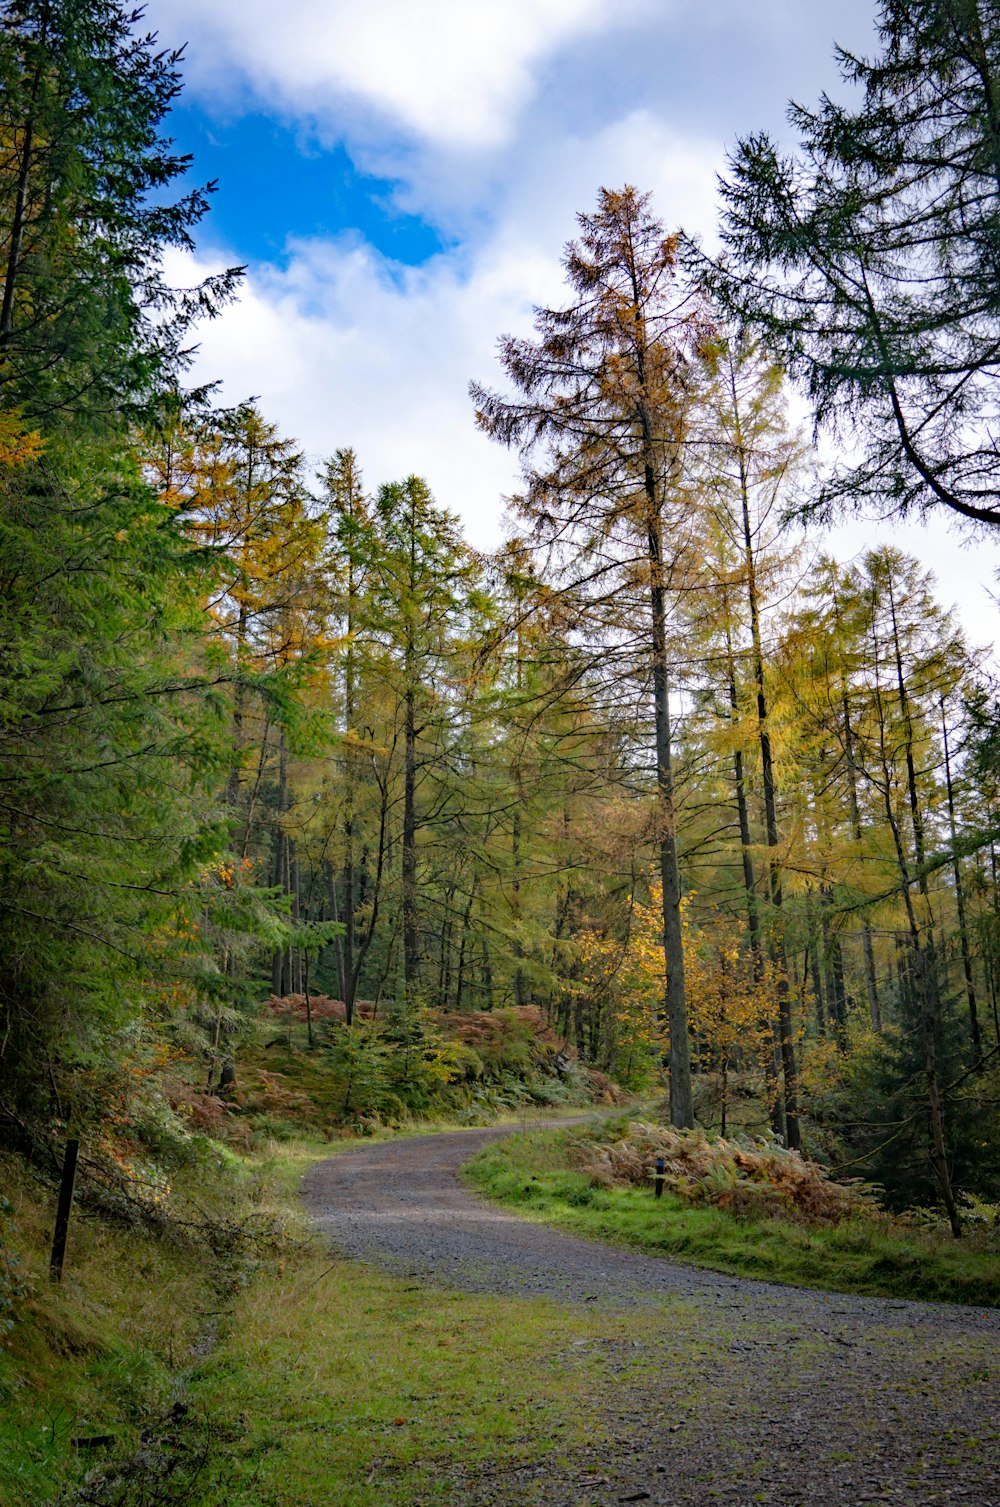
(602, 422)
(109, 745)
(754, 462)
(869, 260)
(89, 329)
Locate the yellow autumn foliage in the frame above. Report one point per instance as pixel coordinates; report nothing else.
(730, 994)
(18, 446)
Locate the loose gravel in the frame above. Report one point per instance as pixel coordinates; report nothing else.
(735, 1392)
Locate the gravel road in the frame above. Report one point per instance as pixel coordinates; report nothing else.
(735, 1392)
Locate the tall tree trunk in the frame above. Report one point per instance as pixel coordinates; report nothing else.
(375, 890)
(409, 856)
(444, 962)
(515, 831)
(925, 960)
(923, 966)
(681, 1098)
(916, 814)
(488, 976)
(809, 966)
(518, 949)
(578, 1033)
(308, 997)
(963, 930)
(278, 959)
(350, 897)
(785, 1025)
(235, 780)
(462, 944)
(285, 972)
(834, 965)
(248, 819)
(295, 953)
(871, 987)
(833, 958)
(681, 1101)
(21, 197)
(743, 817)
(777, 1108)
(338, 941)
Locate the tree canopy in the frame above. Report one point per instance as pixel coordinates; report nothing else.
(868, 260)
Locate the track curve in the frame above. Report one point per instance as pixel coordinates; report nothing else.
(903, 1397)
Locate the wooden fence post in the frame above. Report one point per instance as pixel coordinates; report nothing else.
(63, 1210)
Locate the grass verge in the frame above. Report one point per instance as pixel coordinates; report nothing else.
(871, 1254)
(346, 1384)
(86, 1364)
(272, 1375)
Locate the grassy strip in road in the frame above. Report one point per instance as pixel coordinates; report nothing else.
(357, 1388)
(869, 1254)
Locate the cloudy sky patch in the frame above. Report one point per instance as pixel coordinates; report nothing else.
(401, 177)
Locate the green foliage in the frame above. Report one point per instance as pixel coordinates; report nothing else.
(361, 1078)
(89, 329)
(102, 698)
(110, 732)
(431, 1065)
(867, 259)
(882, 1109)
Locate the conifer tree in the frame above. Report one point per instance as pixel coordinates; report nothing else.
(89, 329)
(868, 260)
(754, 460)
(420, 577)
(602, 421)
(105, 682)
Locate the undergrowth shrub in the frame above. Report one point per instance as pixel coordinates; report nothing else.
(387, 1068)
(745, 1178)
(881, 1119)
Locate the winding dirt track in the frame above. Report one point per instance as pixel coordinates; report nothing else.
(737, 1392)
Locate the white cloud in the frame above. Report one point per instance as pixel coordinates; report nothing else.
(455, 72)
(344, 348)
(965, 566)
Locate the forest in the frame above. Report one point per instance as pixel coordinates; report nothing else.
(660, 775)
(653, 853)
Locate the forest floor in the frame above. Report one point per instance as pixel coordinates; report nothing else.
(700, 1388)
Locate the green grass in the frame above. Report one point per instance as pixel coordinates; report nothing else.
(351, 1386)
(869, 1254)
(97, 1354)
(361, 1389)
(302, 1378)
(307, 1379)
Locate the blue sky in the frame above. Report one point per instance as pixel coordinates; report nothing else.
(400, 178)
(301, 154)
(310, 190)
